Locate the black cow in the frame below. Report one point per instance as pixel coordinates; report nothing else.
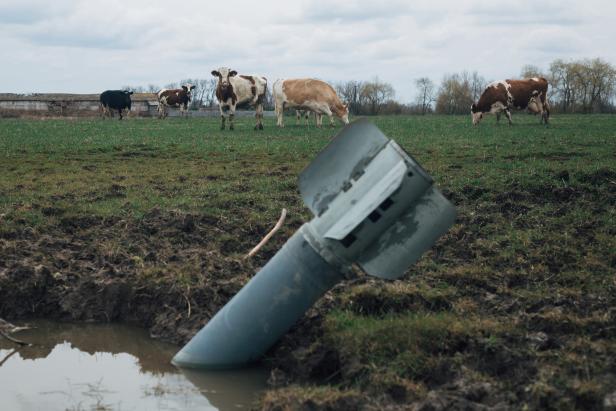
(115, 100)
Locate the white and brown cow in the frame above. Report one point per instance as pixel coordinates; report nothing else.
(308, 94)
(233, 91)
(177, 98)
(502, 96)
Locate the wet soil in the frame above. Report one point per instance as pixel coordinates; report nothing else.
(170, 271)
(553, 300)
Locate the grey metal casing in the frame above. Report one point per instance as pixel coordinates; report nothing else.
(373, 203)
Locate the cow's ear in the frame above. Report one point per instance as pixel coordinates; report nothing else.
(185, 88)
(473, 107)
(192, 87)
(215, 73)
(232, 73)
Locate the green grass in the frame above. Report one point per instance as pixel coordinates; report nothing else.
(192, 164)
(533, 249)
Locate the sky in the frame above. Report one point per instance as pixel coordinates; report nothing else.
(89, 46)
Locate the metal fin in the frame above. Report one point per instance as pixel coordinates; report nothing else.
(337, 164)
(408, 238)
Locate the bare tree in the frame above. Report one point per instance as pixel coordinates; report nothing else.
(561, 78)
(585, 86)
(350, 92)
(530, 71)
(425, 94)
(455, 94)
(600, 78)
(477, 85)
(375, 93)
(134, 89)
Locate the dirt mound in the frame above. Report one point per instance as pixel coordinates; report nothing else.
(110, 269)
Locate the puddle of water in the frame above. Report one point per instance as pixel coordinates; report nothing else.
(112, 367)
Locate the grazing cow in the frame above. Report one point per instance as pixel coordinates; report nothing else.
(308, 94)
(233, 91)
(115, 100)
(178, 98)
(530, 94)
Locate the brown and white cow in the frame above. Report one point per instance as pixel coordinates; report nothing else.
(233, 91)
(177, 98)
(530, 94)
(308, 94)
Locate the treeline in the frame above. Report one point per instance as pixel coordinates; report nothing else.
(580, 86)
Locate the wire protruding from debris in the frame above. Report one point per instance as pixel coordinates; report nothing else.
(269, 235)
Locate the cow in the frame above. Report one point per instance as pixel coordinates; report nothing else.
(529, 94)
(233, 90)
(115, 100)
(308, 94)
(177, 98)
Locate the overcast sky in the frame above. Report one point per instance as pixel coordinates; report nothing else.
(89, 46)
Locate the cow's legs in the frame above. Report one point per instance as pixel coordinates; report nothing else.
(498, 116)
(279, 109)
(231, 115)
(222, 117)
(546, 112)
(543, 108)
(298, 116)
(120, 111)
(329, 114)
(508, 114)
(259, 116)
(319, 118)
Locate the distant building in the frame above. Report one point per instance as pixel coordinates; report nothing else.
(68, 105)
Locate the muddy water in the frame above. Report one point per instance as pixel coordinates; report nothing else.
(111, 367)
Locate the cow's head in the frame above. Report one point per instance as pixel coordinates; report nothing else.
(476, 114)
(188, 88)
(223, 75)
(127, 95)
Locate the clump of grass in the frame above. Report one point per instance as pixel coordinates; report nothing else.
(411, 345)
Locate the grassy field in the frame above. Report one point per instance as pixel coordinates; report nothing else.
(146, 221)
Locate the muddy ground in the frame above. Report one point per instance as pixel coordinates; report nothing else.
(148, 222)
(550, 323)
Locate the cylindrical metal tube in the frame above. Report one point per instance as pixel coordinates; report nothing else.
(264, 309)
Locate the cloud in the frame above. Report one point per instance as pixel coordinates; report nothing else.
(81, 46)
